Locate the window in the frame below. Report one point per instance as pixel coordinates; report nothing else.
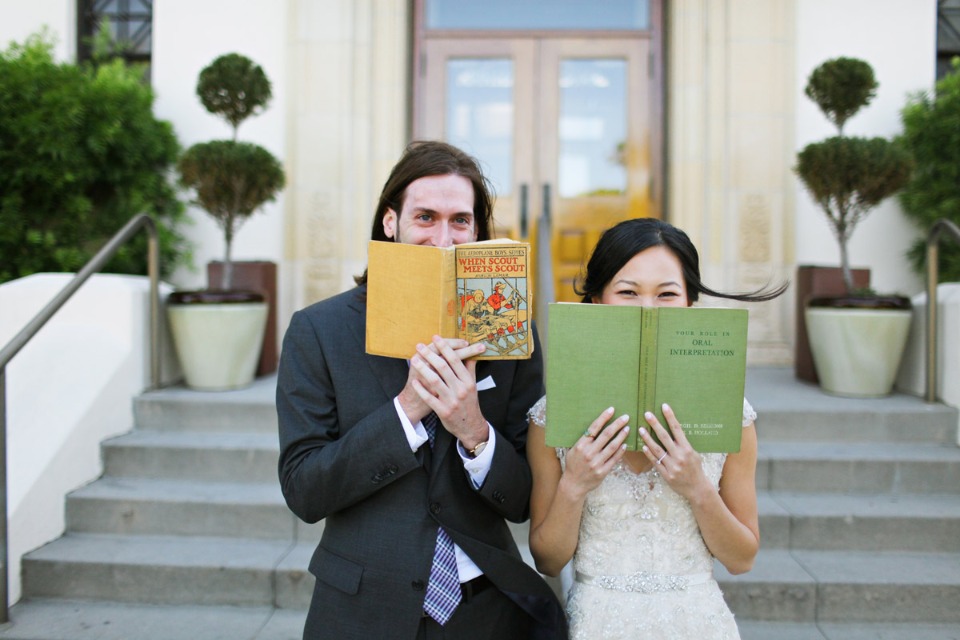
(130, 23)
(948, 35)
(630, 15)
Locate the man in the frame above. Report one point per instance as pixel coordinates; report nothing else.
(405, 459)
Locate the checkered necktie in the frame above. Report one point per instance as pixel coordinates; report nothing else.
(443, 588)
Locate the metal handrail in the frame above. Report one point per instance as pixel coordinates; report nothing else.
(933, 238)
(96, 263)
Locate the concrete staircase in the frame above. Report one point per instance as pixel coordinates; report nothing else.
(186, 534)
(859, 515)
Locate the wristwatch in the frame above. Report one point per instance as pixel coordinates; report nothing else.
(477, 450)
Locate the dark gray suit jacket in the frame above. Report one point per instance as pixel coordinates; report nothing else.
(344, 457)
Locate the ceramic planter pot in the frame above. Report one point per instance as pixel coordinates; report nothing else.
(857, 344)
(218, 336)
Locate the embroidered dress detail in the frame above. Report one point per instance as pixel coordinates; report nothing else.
(644, 582)
(443, 588)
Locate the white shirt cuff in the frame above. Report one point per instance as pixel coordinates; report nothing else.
(479, 467)
(416, 434)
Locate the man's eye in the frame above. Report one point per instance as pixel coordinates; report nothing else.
(462, 220)
(424, 217)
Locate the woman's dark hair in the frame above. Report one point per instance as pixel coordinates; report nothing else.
(620, 243)
(433, 158)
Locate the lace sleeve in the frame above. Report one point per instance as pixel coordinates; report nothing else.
(538, 413)
(749, 415)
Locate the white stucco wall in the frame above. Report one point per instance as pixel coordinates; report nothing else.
(18, 20)
(898, 39)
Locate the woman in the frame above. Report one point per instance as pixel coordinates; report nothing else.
(644, 527)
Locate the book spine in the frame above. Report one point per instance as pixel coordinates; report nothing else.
(448, 292)
(648, 366)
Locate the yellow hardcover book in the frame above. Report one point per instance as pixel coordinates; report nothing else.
(477, 291)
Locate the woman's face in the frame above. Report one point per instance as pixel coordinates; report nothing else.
(652, 278)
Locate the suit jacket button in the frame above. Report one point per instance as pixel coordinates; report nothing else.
(498, 496)
(393, 469)
(377, 478)
(434, 508)
(417, 585)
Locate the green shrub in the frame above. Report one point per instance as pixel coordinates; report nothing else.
(80, 154)
(931, 130)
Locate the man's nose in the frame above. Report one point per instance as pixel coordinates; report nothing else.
(443, 237)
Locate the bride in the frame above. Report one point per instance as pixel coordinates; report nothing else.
(644, 527)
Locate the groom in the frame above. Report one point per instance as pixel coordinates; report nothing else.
(414, 465)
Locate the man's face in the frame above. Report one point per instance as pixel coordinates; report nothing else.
(437, 211)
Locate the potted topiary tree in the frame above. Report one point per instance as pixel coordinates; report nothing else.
(218, 332)
(856, 338)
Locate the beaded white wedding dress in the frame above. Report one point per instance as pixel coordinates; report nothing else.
(642, 567)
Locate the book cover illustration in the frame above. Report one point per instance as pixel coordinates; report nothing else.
(494, 300)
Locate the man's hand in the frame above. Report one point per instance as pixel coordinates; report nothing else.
(444, 380)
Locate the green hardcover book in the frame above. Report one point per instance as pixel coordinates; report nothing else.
(635, 359)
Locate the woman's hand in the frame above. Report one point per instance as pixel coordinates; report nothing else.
(675, 460)
(595, 453)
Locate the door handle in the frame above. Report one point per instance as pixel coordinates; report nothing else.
(524, 210)
(546, 202)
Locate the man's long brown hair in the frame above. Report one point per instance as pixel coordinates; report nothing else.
(433, 158)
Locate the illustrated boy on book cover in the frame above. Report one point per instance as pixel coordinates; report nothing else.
(495, 311)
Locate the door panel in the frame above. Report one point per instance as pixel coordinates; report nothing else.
(561, 126)
(479, 97)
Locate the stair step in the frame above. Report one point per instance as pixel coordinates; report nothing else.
(922, 522)
(252, 409)
(146, 506)
(98, 620)
(89, 620)
(751, 630)
(792, 410)
(157, 569)
(190, 455)
(859, 467)
(846, 586)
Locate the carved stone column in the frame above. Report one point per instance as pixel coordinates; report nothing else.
(730, 93)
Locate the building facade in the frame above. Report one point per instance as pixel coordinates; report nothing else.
(690, 110)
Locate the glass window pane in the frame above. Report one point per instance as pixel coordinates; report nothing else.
(538, 14)
(592, 127)
(480, 115)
